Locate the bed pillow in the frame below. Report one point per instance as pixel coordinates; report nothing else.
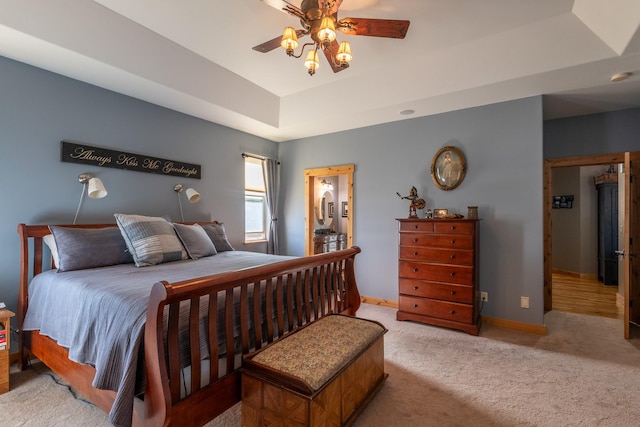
(151, 240)
(218, 236)
(195, 240)
(80, 248)
(51, 244)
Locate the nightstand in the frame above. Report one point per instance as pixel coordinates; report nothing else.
(5, 337)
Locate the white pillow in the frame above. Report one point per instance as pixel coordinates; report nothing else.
(51, 243)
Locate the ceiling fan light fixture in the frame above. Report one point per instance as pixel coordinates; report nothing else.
(289, 40)
(319, 20)
(311, 62)
(344, 54)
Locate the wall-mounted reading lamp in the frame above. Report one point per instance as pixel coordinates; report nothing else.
(192, 196)
(95, 189)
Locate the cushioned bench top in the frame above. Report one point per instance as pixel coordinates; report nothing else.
(317, 352)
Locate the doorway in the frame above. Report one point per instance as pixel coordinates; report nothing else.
(631, 284)
(343, 172)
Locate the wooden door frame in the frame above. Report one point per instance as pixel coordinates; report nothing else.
(309, 200)
(549, 164)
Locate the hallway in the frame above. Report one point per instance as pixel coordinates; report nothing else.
(584, 296)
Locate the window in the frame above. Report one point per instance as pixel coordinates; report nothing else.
(255, 204)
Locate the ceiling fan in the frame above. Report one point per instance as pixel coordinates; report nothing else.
(319, 20)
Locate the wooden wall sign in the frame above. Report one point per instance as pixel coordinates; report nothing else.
(81, 153)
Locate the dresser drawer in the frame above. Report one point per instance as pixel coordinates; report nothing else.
(453, 227)
(447, 241)
(438, 256)
(441, 309)
(418, 226)
(441, 291)
(436, 272)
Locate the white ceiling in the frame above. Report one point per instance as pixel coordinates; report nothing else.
(195, 56)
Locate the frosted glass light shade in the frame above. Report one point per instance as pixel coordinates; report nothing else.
(192, 195)
(96, 189)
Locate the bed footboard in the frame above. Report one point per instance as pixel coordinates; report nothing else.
(266, 303)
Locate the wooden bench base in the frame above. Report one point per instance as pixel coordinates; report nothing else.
(269, 402)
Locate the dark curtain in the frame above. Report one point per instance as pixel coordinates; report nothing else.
(271, 183)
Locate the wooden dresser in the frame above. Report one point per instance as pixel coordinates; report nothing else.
(438, 272)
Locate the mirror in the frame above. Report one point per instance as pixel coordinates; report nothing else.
(342, 215)
(325, 209)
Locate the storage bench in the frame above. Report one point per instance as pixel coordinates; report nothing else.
(321, 375)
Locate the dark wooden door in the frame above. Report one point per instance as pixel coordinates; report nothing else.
(608, 233)
(631, 242)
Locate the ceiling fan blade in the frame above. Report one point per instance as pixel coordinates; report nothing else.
(330, 53)
(268, 46)
(274, 43)
(285, 6)
(392, 28)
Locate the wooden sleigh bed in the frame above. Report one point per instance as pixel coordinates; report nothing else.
(271, 301)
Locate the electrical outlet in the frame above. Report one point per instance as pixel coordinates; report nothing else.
(484, 296)
(524, 302)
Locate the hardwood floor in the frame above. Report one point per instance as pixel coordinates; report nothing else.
(584, 296)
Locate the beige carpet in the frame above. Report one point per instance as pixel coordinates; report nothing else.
(581, 374)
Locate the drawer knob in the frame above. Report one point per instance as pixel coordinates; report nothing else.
(415, 288)
(415, 240)
(453, 242)
(453, 273)
(415, 270)
(453, 256)
(415, 226)
(415, 253)
(453, 292)
(415, 305)
(453, 312)
(453, 227)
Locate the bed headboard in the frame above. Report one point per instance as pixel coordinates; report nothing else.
(32, 262)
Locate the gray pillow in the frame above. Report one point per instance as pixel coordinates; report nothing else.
(218, 236)
(151, 240)
(195, 240)
(80, 248)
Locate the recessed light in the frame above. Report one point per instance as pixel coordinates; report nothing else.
(618, 77)
(407, 112)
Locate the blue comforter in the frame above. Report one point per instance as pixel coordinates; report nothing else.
(99, 314)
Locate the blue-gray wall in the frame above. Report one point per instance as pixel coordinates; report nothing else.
(503, 147)
(503, 143)
(605, 133)
(38, 109)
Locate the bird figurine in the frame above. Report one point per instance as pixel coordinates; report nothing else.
(415, 202)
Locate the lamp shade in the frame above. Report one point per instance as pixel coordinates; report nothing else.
(96, 189)
(192, 195)
(312, 62)
(289, 39)
(344, 53)
(327, 30)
